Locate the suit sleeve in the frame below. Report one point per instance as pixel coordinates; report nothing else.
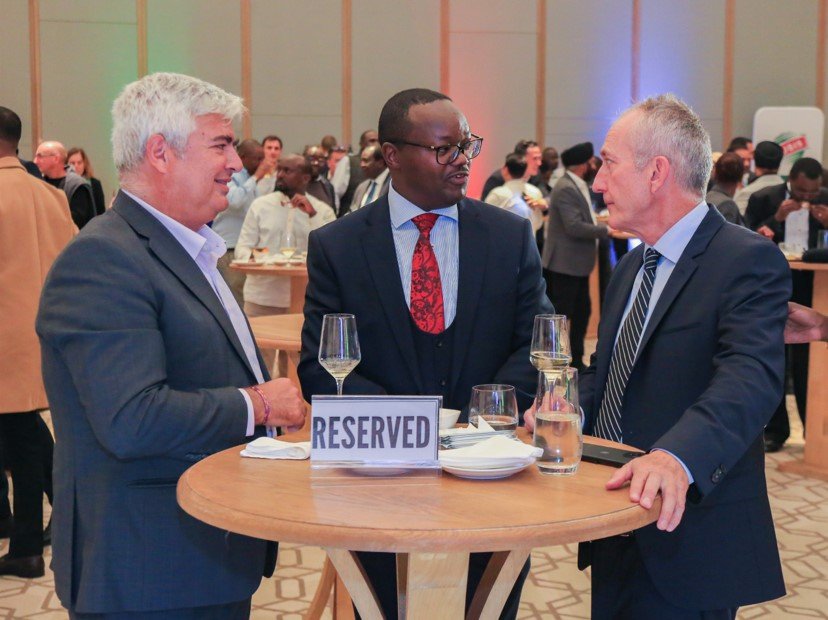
(117, 362)
(716, 430)
(760, 212)
(531, 300)
(322, 297)
(569, 203)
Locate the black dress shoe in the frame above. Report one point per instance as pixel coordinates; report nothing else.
(47, 534)
(29, 567)
(773, 445)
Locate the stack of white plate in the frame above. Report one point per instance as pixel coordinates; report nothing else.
(496, 457)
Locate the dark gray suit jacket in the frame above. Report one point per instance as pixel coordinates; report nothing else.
(141, 365)
(707, 378)
(569, 247)
(363, 187)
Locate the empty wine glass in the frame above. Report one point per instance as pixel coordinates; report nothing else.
(339, 347)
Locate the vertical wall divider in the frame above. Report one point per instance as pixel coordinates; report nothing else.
(141, 19)
(445, 43)
(246, 69)
(34, 70)
(635, 52)
(727, 86)
(540, 80)
(347, 68)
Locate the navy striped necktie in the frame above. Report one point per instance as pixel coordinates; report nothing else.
(608, 424)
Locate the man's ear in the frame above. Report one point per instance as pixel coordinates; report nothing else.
(391, 155)
(660, 171)
(157, 152)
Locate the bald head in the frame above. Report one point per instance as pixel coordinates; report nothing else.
(251, 153)
(51, 159)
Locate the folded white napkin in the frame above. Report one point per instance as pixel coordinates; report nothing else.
(498, 451)
(482, 427)
(269, 448)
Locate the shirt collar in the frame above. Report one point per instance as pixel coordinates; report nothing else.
(515, 184)
(381, 177)
(578, 181)
(192, 241)
(672, 243)
(403, 210)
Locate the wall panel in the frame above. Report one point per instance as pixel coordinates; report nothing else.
(492, 76)
(84, 65)
(196, 37)
(296, 69)
(15, 91)
(396, 45)
(588, 60)
(774, 57)
(682, 48)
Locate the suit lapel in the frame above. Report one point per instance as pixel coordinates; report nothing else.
(682, 271)
(473, 241)
(381, 256)
(170, 252)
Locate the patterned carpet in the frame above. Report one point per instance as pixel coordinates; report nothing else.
(555, 589)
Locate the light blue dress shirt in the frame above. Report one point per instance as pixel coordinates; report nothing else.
(205, 247)
(671, 246)
(444, 239)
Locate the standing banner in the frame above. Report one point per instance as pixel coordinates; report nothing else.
(798, 130)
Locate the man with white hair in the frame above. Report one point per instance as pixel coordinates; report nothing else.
(50, 159)
(688, 367)
(167, 374)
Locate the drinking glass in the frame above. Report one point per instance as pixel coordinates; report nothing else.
(287, 244)
(558, 422)
(822, 239)
(496, 403)
(550, 351)
(339, 347)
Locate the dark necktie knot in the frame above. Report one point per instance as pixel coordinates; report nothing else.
(651, 256)
(425, 223)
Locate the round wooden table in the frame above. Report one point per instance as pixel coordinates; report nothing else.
(282, 332)
(815, 463)
(297, 272)
(432, 527)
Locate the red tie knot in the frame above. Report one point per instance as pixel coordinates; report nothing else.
(425, 222)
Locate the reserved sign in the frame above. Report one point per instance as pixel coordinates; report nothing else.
(375, 430)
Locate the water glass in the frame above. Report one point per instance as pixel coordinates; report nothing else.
(497, 404)
(822, 239)
(558, 423)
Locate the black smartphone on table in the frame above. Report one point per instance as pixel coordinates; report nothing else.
(605, 455)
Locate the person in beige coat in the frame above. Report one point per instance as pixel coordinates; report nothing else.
(35, 225)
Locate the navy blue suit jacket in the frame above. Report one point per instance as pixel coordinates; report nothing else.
(141, 365)
(352, 267)
(707, 378)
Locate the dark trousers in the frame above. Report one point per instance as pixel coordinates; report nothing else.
(47, 449)
(796, 363)
(622, 589)
(22, 446)
(230, 611)
(570, 296)
(381, 569)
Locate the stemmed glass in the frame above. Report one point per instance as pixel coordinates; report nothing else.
(287, 244)
(550, 352)
(339, 347)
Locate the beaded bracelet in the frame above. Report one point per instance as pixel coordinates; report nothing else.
(265, 402)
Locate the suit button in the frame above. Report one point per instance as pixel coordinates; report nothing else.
(439, 344)
(717, 475)
(443, 383)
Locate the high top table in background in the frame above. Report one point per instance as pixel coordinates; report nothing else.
(815, 463)
(431, 527)
(297, 272)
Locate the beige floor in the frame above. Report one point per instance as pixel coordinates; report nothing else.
(556, 589)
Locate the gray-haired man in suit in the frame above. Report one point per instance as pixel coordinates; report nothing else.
(167, 374)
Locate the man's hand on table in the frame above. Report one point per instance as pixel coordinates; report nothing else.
(658, 471)
(287, 408)
(649, 474)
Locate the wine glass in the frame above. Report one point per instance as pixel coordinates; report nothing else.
(497, 404)
(287, 244)
(339, 347)
(550, 352)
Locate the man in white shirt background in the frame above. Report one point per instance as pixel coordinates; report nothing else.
(517, 194)
(288, 208)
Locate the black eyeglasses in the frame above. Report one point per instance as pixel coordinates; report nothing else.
(447, 153)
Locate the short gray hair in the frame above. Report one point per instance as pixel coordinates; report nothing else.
(166, 104)
(667, 126)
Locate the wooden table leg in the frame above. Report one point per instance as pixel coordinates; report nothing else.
(297, 294)
(353, 576)
(815, 463)
(432, 585)
(323, 592)
(497, 582)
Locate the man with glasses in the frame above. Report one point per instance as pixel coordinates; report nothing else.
(792, 213)
(444, 288)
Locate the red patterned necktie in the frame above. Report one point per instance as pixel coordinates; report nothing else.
(426, 287)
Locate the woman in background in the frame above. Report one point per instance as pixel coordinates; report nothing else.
(80, 163)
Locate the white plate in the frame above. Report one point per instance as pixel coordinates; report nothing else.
(486, 474)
